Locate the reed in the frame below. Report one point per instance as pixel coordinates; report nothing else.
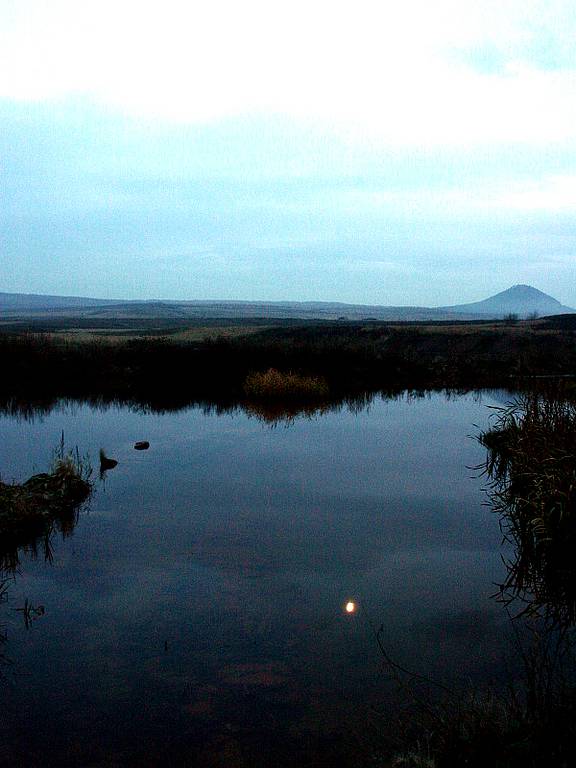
(531, 465)
(31, 511)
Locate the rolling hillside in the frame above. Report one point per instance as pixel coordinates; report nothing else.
(522, 300)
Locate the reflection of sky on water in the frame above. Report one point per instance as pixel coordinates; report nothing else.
(205, 585)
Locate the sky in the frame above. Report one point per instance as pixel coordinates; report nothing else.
(406, 153)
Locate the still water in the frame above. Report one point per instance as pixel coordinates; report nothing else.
(197, 613)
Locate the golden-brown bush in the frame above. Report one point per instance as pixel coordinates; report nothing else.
(278, 384)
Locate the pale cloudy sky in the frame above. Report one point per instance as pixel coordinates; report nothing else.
(377, 152)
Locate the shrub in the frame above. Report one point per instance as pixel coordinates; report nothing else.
(276, 384)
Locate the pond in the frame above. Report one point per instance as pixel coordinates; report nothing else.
(196, 613)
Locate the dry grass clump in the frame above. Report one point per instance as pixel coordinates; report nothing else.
(278, 384)
(42, 495)
(30, 510)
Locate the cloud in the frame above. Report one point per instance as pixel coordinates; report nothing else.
(499, 198)
(405, 74)
(375, 152)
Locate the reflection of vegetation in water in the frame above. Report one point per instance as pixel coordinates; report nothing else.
(531, 725)
(30, 512)
(275, 413)
(271, 410)
(531, 463)
(30, 612)
(528, 724)
(268, 409)
(3, 659)
(283, 411)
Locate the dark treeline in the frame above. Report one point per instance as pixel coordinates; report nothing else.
(352, 358)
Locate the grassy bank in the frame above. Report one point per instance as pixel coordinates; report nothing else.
(31, 511)
(348, 357)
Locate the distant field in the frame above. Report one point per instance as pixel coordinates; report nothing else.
(86, 328)
(120, 336)
(114, 331)
(190, 328)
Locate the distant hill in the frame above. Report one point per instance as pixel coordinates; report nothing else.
(521, 300)
(14, 302)
(19, 305)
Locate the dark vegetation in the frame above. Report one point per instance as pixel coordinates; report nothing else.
(32, 511)
(351, 358)
(532, 467)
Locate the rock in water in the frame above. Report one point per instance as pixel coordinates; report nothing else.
(106, 463)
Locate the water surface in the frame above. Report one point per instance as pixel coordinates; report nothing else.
(196, 615)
